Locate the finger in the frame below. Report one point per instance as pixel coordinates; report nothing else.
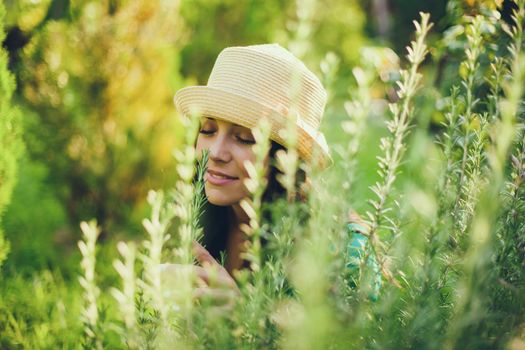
(203, 256)
(353, 217)
(202, 276)
(210, 276)
(207, 261)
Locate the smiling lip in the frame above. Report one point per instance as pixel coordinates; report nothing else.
(219, 179)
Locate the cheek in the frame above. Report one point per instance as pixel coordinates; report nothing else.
(199, 144)
(243, 156)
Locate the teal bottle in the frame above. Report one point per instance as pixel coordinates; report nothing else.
(359, 249)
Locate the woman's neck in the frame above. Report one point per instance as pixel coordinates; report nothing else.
(239, 216)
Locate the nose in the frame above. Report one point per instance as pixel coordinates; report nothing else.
(220, 149)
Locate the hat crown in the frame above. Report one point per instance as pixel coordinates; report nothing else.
(272, 76)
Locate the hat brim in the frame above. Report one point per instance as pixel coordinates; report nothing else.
(215, 103)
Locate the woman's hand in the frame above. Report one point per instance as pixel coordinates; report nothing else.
(213, 284)
(358, 224)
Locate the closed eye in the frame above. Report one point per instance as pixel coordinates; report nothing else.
(245, 141)
(206, 132)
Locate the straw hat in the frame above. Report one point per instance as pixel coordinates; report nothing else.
(250, 82)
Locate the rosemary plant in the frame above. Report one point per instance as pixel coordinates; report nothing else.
(470, 176)
(498, 70)
(471, 303)
(288, 161)
(156, 227)
(393, 146)
(459, 280)
(358, 110)
(188, 201)
(507, 294)
(90, 311)
(251, 312)
(256, 185)
(126, 297)
(187, 204)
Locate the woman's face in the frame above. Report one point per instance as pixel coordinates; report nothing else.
(229, 145)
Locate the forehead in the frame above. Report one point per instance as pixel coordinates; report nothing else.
(222, 123)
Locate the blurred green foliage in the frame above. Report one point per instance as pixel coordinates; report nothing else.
(11, 145)
(94, 88)
(96, 79)
(96, 93)
(334, 26)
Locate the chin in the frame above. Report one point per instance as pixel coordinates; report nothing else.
(218, 202)
(221, 199)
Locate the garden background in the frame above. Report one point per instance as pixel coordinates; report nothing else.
(89, 127)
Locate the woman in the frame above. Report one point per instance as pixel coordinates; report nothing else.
(245, 85)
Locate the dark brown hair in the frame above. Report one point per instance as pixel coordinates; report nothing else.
(216, 220)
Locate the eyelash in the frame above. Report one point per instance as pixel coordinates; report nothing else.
(246, 142)
(241, 140)
(206, 132)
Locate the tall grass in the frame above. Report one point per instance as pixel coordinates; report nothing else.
(446, 230)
